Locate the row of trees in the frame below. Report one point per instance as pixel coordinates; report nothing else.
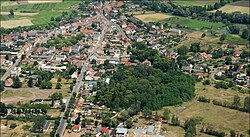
(235, 104)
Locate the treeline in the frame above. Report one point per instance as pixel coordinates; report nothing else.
(235, 104)
(197, 12)
(211, 131)
(144, 87)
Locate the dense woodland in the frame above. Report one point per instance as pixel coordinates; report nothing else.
(143, 87)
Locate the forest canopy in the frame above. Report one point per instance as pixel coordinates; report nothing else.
(143, 87)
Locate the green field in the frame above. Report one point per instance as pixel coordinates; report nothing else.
(236, 40)
(194, 2)
(45, 10)
(192, 23)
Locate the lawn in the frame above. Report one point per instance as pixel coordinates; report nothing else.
(194, 2)
(192, 23)
(155, 17)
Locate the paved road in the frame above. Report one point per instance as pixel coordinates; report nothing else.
(78, 84)
(7, 73)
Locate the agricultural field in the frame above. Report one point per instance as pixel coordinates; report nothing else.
(242, 6)
(194, 2)
(154, 17)
(32, 14)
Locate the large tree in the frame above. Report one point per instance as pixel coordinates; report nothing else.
(3, 110)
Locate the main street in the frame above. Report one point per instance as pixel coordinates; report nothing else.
(7, 73)
(78, 84)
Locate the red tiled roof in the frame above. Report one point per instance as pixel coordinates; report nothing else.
(76, 127)
(105, 130)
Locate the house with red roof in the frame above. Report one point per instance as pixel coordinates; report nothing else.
(8, 82)
(105, 131)
(66, 49)
(237, 53)
(77, 128)
(129, 64)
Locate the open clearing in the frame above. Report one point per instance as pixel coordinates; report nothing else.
(13, 96)
(155, 17)
(218, 94)
(242, 6)
(16, 23)
(221, 118)
(232, 8)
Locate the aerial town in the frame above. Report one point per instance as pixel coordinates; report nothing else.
(125, 69)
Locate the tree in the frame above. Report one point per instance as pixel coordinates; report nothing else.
(203, 35)
(247, 104)
(23, 56)
(7, 56)
(16, 82)
(232, 133)
(11, 12)
(195, 47)
(129, 123)
(30, 82)
(183, 50)
(236, 102)
(71, 87)
(3, 110)
(1, 86)
(96, 123)
(35, 63)
(222, 37)
(59, 79)
(190, 126)
(245, 34)
(39, 122)
(175, 120)
(52, 19)
(147, 114)
(13, 125)
(228, 60)
(217, 5)
(58, 85)
(46, 84)
(78, 120)
(166, 115)
(206, 82)
(234, 29)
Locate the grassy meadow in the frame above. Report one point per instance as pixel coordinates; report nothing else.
(221, 118)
